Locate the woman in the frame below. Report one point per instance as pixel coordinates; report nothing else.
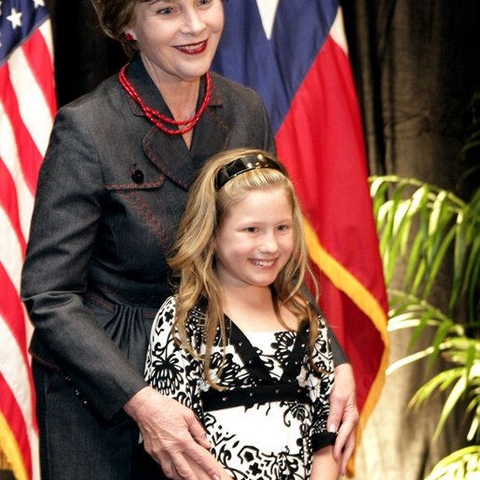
(110, 195)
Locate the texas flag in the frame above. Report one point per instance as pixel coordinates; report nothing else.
(294, 53)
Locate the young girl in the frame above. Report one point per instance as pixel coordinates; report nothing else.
(239, 344)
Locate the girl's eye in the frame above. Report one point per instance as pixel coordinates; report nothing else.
(283, 228)
(251, 229)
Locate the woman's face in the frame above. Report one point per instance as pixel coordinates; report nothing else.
(178, 38)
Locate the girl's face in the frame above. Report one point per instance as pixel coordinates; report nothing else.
(178, 38)
(255, 239)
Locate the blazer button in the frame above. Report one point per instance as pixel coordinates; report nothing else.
(137, 176)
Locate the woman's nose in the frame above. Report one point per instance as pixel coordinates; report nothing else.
(193, 23)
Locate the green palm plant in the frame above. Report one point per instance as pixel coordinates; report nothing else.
(427, 230)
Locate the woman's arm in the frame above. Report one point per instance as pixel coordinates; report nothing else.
(65, 223)
(173, 436)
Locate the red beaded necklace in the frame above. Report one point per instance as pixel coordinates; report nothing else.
(159, 120)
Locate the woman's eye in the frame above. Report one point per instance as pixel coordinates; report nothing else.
(165, 11)
(251, 229)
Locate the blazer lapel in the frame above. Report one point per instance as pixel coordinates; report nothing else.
(210, 136)
(169, 153)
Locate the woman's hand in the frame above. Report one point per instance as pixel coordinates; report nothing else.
(172, 435)
(343, 416)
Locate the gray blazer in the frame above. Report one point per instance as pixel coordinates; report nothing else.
(95, 271)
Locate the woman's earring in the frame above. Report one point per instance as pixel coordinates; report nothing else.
(129, 37)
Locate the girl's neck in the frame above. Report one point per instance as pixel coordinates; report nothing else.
(255, 297)
(252, 309)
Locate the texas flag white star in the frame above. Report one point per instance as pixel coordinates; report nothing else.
(15, 18)
(267, 10)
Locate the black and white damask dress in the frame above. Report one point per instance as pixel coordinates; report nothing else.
(272, 414)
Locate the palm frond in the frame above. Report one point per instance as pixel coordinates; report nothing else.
(423, 228)
(422, 225)
(460, 465)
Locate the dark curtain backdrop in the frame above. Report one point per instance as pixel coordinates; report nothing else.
(416, 65)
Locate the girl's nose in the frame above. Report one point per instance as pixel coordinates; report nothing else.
(269, 243)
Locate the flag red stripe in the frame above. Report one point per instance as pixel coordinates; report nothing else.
(13, 314)
(353, 309)
(12, 311)
(9, 203)
(29, 156)
(38, 55)
(10, 409)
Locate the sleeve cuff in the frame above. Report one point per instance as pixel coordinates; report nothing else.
(323, 439)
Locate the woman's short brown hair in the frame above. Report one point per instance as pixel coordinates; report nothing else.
(115, 16)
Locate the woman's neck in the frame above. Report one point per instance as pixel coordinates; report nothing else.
(182, 100)
(180, 96)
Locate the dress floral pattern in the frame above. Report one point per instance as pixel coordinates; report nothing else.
(272, 413)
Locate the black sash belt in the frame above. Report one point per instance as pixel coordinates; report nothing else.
(215, 400)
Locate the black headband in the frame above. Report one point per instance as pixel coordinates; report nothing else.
(244, 164)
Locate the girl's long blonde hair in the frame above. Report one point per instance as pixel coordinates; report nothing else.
(193, 255)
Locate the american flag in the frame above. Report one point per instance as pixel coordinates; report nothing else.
(27, 107)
